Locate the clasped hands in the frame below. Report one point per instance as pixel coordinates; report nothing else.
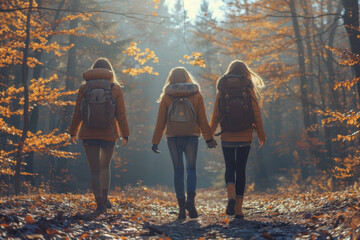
(210, 143)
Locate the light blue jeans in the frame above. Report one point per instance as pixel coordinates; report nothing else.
(177, 147)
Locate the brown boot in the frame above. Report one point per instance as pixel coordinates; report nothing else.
(181, 202)
(238, 208)
(100, 206)
(106, 200)
(190, 205)
(230, 208)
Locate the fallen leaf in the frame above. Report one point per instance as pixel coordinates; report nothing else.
(29, 219)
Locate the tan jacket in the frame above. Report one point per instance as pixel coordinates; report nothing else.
(199, 108)
(110, 133)
(242, 136)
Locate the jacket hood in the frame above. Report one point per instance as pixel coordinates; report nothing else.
(181, 89)
(97, 73)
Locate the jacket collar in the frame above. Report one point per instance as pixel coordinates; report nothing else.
(97, 73)
(181, 89)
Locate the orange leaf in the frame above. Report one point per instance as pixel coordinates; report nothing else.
(29, 219)
(85, 235)
(52, 231)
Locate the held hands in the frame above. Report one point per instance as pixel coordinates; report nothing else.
(211, 143)
(124, 141)
(155, 148)
(261, 143)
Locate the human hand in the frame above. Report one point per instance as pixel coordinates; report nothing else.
(211, 143)
(261, 143)
(155, 148)
(124, 141)
(74, 139)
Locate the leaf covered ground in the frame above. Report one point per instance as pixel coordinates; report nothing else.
(150, 213)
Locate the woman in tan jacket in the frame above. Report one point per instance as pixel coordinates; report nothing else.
(182, 136)
(98, 128)
(239, 80)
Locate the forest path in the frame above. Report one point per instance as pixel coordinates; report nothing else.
(149, 213)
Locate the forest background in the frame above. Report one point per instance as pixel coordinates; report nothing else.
(307, 51)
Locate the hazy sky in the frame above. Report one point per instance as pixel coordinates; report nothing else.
(193, 6)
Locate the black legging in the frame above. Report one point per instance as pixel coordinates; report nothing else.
(237, 166)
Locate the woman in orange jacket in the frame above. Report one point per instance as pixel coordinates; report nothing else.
(236, 109)
(98, 116)
(182, 137)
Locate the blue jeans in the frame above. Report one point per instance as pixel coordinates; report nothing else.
(177, 147)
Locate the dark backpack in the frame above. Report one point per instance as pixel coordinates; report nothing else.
(98, 106)
(181, 114)
(235, 103)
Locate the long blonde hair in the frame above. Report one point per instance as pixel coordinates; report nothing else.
(177, 75)
(105, 63)
(238, 67)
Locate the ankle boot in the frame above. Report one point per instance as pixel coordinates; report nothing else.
(106, 200)
(100, 206)
(181, 202)
(190, 205)
(238, 208)
(230, 208)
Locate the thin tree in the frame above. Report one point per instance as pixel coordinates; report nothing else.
(26, 101)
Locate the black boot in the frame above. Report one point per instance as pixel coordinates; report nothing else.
(106, 199)
(100, 206)
(190, 205)
(181, 202)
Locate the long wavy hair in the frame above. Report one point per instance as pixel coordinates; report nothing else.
(238, 67)
(177, 75)
(105, 63)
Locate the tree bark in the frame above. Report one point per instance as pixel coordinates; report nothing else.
(26, 101)
(303, 80)
(71, 68)
(70, 85)
(29, 168)
(351, 21)
(301, 62)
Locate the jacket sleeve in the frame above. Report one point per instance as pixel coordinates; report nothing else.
(202, 120)
(259, 128)
(215, 116)
(120, 112)
(161, 122)
(77, 119)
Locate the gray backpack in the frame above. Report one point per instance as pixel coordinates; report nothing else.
(98, 106)
(181, 114)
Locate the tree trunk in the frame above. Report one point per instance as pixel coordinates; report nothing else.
(302, 69)
(26, 102)
(351, 21)
(29, 168)
(70, 85)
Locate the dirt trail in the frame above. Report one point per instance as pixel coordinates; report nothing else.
(142, 213)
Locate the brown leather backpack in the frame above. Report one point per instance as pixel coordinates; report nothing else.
(182, 118)
(235, 103)
(98, 106)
